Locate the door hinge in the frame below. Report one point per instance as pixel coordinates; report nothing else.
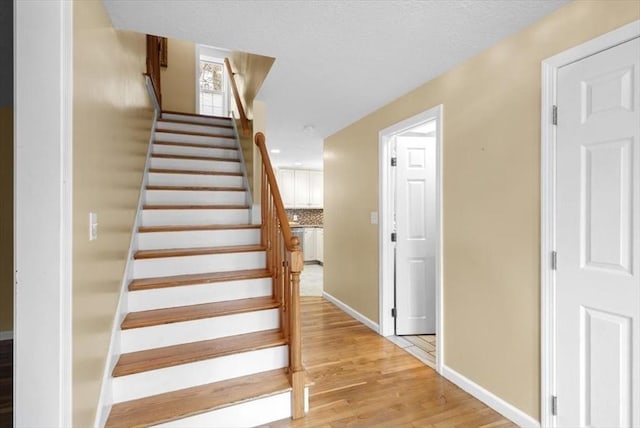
(393, 237)
(394, 161)
(554, 260)
(393, 312)
(554, 115)
(554, 405)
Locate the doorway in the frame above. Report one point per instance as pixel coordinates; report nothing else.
(591, 233)
(411, 232)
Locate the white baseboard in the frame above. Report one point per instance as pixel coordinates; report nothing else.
(349, 310)
(6, 335)
(507, 410)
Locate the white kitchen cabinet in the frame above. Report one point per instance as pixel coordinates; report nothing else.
(316, 189)
(286, 185)
(309, 244)
(301, 188)
(320, 245)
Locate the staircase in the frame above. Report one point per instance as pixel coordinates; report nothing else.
(205, 341)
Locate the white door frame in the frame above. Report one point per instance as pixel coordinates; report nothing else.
(386, 197)
(43, 164)
(550, 68)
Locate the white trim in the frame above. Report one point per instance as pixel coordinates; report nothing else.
(196, 78)
(43, 166)
(106, 392)
(490, 399)
(550, 68)
(6, 335)
(350, 311)
(152, 95)
(386, 192)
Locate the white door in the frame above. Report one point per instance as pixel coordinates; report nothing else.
(598, 240)
(415, 228)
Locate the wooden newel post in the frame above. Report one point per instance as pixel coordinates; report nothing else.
(296, 264)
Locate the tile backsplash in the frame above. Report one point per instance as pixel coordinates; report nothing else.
(310, 217)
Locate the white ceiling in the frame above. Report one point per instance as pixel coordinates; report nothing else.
(336, 61)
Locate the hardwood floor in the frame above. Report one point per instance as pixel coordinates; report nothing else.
(361, 380)
(364, 380)
(6, 383)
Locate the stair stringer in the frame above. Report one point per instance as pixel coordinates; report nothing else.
(106, 391)
(245, 178)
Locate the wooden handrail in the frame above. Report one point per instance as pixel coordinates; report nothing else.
(244, 122)
(285, 262)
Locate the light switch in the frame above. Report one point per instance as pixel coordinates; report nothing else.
(374, 217)
(93, 226)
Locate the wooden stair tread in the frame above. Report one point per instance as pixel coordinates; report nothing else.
(196, 312)
(196, 251)
(194, 123)
(195, 207)
(192, 172)
(194, 157)
(185, 228)
(196, 278)
(169, 356)
(198, 188)
(201, 146)
(206, 116)
(192, 401)
(195, 134)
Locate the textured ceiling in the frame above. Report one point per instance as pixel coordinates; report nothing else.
(336, 61)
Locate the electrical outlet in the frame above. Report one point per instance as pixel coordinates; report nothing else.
(93, 226)
(374, 217)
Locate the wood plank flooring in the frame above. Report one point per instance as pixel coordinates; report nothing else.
(364, 380)
(6, 383)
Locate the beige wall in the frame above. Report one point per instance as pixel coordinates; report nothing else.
(491, 200)
(178, 79)
(6, 219)
(112, 119)
(251, 70)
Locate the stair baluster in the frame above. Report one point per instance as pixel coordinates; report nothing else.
(283, 255)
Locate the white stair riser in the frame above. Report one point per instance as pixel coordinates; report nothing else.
(194, 139)
(196, 119)
(195, 165)
(195, 151)
(242, 415)
(198, 238)
(191, 127)
(201, 180)
(139, 339)
(183, 376)
(167, 266)
(195, 217)
(169, 297)
(195, 197)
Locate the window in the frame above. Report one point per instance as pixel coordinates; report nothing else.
(212, 87)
